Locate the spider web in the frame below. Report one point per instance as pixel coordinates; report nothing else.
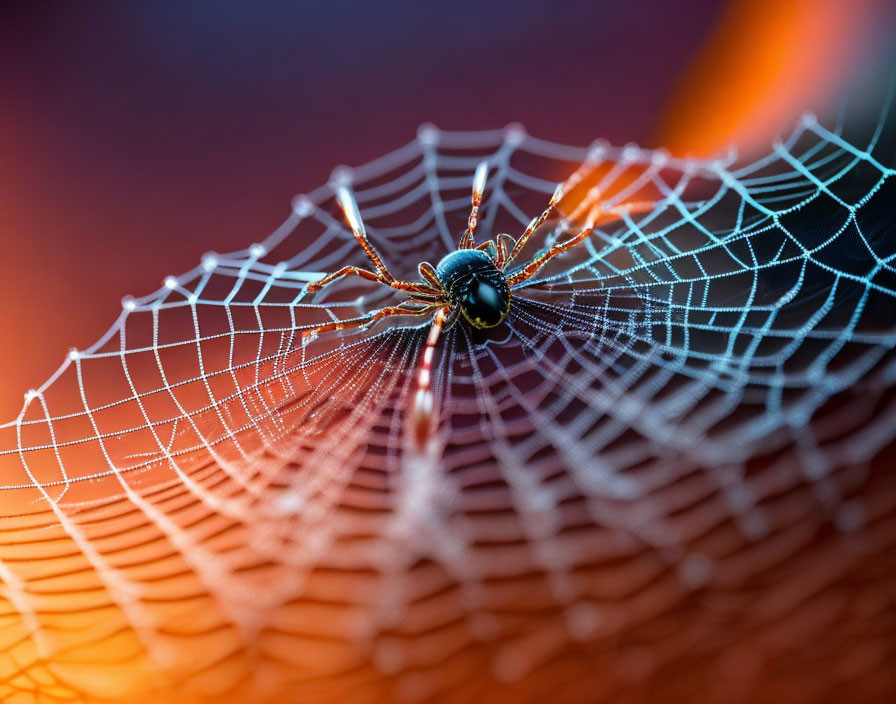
(663, 469)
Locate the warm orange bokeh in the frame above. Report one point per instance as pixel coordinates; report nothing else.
(767, 62)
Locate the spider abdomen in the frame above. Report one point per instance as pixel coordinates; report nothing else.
(476, 286)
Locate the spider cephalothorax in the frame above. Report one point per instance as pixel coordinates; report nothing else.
(471, 282)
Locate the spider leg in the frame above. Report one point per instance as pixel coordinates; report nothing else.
(468, 241)
(428, 273)
(568, 185)
(353, 216)
(370, 276)
(342, 273)
(428, 298)
(368, 319)
(596, 214)
(349, 206)
(505, 244)
(451, 317)
(489, 248)
(528, 271)
(535, 223)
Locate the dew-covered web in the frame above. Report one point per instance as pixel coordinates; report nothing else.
(685, 422)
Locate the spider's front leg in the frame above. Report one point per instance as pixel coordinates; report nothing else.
(530, 269)
(597, 215)
(535, 223)
(468, 239)
(382, 274)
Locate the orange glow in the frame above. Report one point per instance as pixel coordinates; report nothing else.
(767, 62)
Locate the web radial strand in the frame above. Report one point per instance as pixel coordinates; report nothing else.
(685, 422)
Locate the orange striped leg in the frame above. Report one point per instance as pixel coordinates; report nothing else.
(428, 273)
(528, 271)
(468, 240)
(570, 183)
(349, 206)
(490, 248)
(505, 244)
(596, 214)
(535, 224)
(371, 276)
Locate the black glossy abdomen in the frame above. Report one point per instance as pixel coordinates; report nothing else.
(474, 283)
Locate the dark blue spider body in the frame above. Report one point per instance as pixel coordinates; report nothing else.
(476, 286)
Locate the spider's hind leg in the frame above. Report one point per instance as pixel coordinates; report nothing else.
(535, 223)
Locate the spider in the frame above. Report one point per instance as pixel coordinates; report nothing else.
(475, 281)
